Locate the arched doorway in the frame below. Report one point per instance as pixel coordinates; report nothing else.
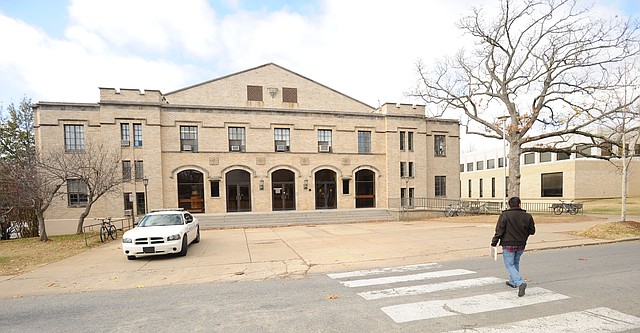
(238, 191)
(365, 189)
(325, 189)
(283, 190)
(191, 191)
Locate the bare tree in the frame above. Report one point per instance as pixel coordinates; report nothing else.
(547, 65)
(96, 170)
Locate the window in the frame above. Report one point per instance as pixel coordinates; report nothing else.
(77, 192)
(364, 142)
(636, 151)
(410, 140)
(480, 165)
(461, 167)
(73, 138)
(345, 186)
(470, 166)
(215, 188)
(501, 162)
(254, 93)
(582, 150)
(439, 145)
(402, 135)
(411, 196)
(139, 170)
(237, 139)
(529, 158)
(606, 149)
(545, 157)
(411, 171)
(282, 139)
(290, 95)
(403, 171)
(126, 170)
(562, 156)
(551, 184)
(481, 187)
(403, 196)
(128, 202)
(137, 135)
(188, 138)
(324, 141)
(469, 188)
(493, 187)
(441, 186)
(140, 203)
(125, 136)
(491, 164)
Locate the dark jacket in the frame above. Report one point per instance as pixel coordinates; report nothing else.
(514, 227)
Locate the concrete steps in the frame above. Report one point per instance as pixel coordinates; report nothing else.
(289, 218)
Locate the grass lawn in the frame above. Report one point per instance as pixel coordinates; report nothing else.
(611, 206)
(21, 255)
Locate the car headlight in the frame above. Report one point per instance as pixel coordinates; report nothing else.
(127, 240)
(173, 237)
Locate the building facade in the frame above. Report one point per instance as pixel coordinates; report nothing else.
(264, 139)
(547, 176)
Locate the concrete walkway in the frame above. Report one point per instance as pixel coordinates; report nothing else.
(285, 252)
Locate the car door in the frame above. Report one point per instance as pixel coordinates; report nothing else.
(192, 229)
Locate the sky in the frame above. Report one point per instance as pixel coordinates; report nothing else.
(64, 50)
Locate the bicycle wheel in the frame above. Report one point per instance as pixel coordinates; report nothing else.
(462, 212)
(448, 212)
(104, 233)
(573, 210)
(558, 210)
(113, 232)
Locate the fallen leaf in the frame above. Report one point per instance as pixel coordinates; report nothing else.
(332, 296)
(583, 259)
(140, 286)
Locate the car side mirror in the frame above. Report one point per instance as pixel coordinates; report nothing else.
(188, 219)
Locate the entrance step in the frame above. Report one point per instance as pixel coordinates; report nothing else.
(291, 218)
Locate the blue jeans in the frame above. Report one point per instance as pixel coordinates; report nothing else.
(512, 263)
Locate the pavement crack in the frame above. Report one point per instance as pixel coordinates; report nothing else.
(246, 240)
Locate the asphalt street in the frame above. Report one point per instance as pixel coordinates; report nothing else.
(578, 280)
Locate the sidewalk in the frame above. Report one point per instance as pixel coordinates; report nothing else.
(285, 252)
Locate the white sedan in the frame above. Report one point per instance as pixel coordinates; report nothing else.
(162, 232)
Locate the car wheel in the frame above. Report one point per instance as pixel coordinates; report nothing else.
(183, 250)
(197, 240)
(131, 257)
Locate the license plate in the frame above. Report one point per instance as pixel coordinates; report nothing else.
(149, 249)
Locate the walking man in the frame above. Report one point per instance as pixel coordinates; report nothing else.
(513, 229)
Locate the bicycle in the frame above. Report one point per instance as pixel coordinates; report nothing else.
(107, 229)
(454, 211)
(562, 207)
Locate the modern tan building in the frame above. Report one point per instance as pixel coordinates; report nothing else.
(547, 176)
(265, 139)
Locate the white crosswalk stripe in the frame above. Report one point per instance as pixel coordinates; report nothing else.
(429, 288)
(592, 320)
(399, 269)
(468, 305)
(406, 278)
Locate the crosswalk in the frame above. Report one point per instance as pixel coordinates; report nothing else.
(431, 278)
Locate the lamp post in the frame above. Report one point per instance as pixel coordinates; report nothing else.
(145, 182)
(504, 159)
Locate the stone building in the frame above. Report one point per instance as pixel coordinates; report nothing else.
(261, 140)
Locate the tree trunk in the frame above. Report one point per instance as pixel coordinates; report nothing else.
(84, 214)
(514, 169)
(41, 226)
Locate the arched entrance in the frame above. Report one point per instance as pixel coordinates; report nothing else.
(325, 189)
(283, 190)
(191, 191)
(238, 191)
(365, 189)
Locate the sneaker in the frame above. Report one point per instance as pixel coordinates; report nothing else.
(521, 289)
(511, 285)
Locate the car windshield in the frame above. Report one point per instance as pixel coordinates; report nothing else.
(160, 220)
